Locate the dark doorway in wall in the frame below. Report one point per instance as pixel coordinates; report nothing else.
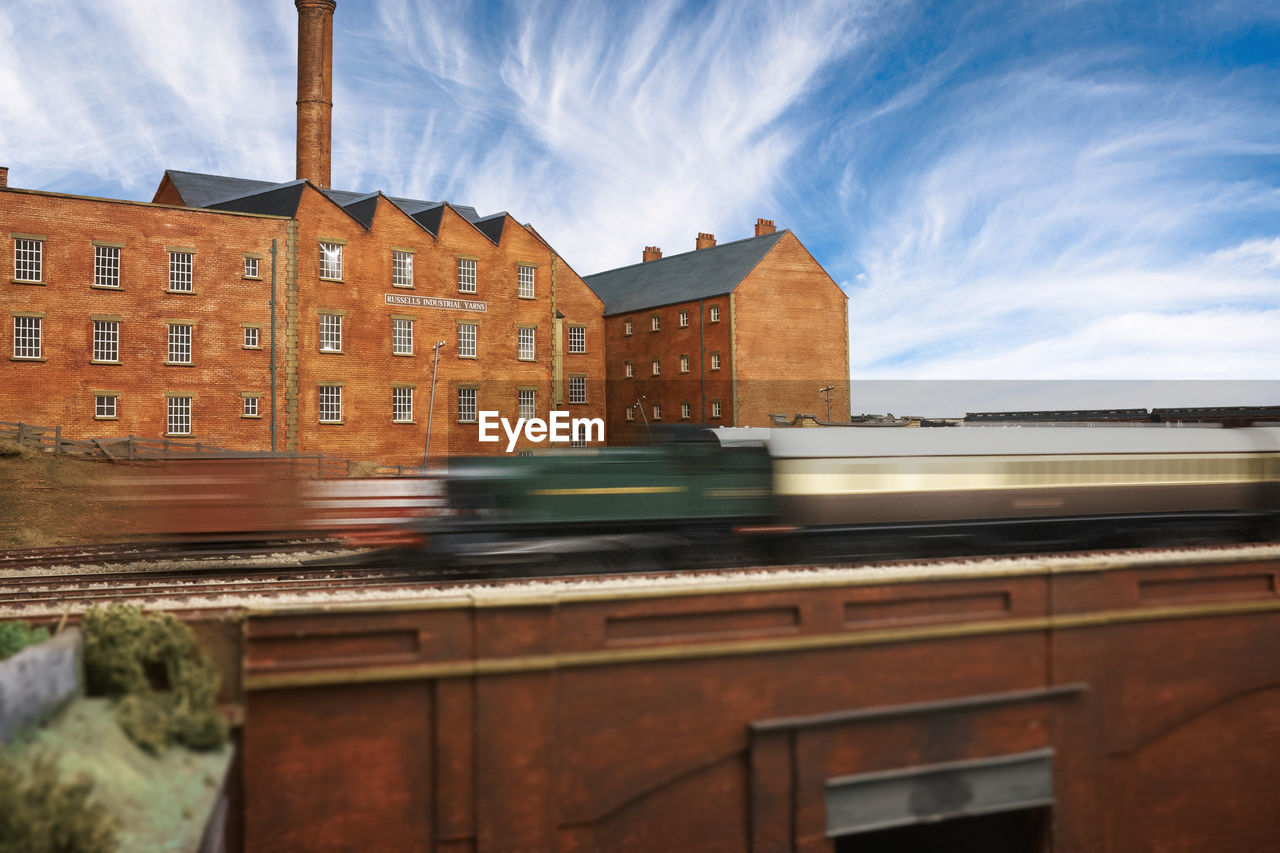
(1017, 831)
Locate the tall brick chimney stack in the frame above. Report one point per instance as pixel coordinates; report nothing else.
(651, 253)
(315, 88)
(4, 176)
(764, 226)
(705, 240)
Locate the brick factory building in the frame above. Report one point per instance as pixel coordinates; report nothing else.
(725, 335)
(261, 315)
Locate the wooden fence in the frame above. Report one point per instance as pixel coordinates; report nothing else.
(135, 448)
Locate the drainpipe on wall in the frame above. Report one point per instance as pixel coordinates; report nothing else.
(273, 346)
(702, 359)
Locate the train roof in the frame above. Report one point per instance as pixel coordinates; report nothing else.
(1013, 440)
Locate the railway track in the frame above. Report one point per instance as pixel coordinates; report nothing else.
(132, 552)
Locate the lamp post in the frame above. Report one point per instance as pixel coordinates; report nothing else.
(827, 392)
(640, 406)
(431, 407)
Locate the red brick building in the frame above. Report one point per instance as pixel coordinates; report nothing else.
(725, 335)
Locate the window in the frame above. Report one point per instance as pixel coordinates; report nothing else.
(250, 407)
(657, 411)
(401, 336)
(466, 275)
(654, 323)
(402, 405)
(630, 327)
(179, 416)
(104, 406)
(525, 344)
(631, 412)
(466, 405)
(715, 313)
(331, 261)
(631, 369)
(330, 404)
(466, 340)
(26, 337)
(181, 265)
(28, 259)
(106, 266)
(684, 319)
(684, 364)
(524, 287)
(577, 389)
(252, 336)
(715, 408)
(250, 269)
(657, 367)
(715, 361)
(577, 339)
(330, 333)
(525, 398)
(402, 269)
(106, 340)
(179, 343)
(685, 411)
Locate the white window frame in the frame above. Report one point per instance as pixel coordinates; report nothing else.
(249, 407)
(251, 268)
(684, 319)
(577, 389)
(106, 407)
(467, 405)
(106, 341)
(401, 269)
(468, 338)
(629, 327)
(657, 367)
(330, 333)
(655, 323)
(106, 266)
(526, 343)
(715, 313)
(402, 405)
(252, 337)
(182, 272)
(686, 411)
(715, 361)
(181, 343)
(28, 259)
(630, 369)
(577, 339)
(401, 336)
(525, 287)
(715, 408)
(630, 412)
(179, 415)
(526, 403)
(684, 364)
(28, 337)
(657, 411)
(330, 261)
(466, 275)
(329, 404)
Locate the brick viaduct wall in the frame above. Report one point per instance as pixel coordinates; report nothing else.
(716, 718)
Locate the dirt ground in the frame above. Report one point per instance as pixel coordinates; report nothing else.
(48, 500)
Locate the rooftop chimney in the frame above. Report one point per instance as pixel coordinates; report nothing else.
(4, 176)
(315, 88)
(651, 253)
(764, 226)
(705, 241)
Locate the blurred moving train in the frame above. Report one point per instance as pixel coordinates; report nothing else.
(784, 495)
(744, 496)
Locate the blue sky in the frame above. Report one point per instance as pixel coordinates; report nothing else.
(1035, 190)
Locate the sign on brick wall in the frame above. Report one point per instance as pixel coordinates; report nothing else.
(434, 302)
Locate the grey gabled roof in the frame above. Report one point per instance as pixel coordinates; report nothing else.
(220, 192)
(699, 274)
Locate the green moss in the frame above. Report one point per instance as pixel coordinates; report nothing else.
(16, 636)
(166, 686)
(39, 813)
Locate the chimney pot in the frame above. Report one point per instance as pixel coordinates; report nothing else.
(705, 240)
(764, 226)
(4, 176)
(315, 89)
(651, 253)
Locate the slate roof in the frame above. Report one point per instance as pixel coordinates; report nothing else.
(699, 274)
(218, 192)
